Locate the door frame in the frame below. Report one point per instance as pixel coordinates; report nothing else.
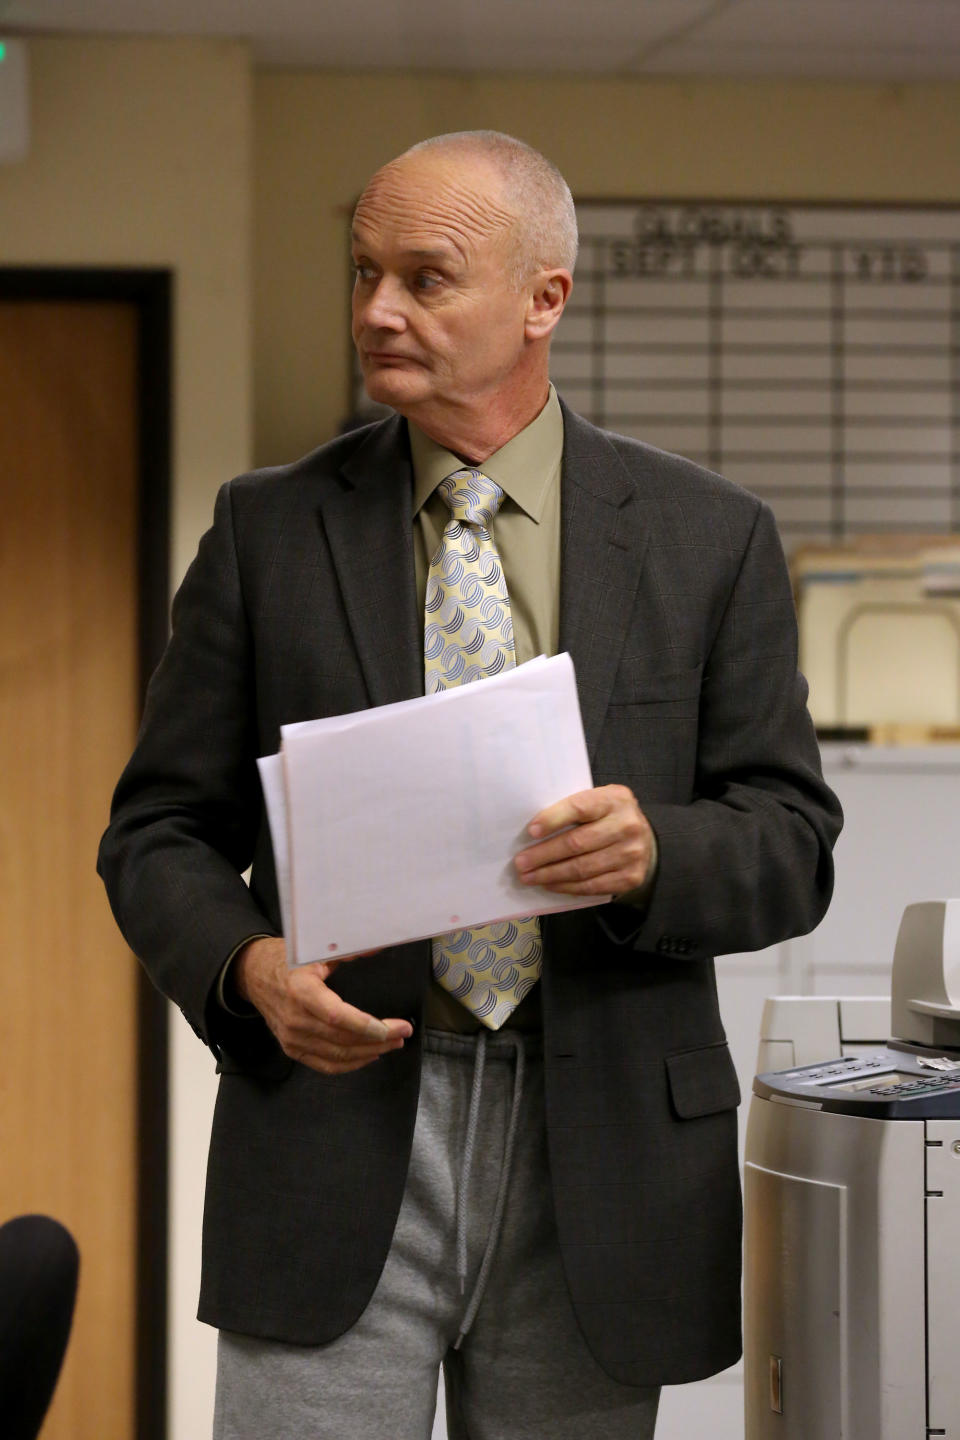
(150, 290)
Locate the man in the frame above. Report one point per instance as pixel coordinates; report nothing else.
(380, 1199)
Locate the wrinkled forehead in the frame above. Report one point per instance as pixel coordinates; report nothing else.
(423, 203)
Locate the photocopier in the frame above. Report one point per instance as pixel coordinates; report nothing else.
(852, 1219)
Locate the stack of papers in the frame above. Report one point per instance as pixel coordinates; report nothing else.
(402, 822)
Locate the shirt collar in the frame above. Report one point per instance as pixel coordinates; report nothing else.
(523, 468)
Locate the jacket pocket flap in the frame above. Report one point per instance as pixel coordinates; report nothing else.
(703, 1081)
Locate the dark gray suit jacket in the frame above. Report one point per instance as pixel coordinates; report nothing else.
(676, 608)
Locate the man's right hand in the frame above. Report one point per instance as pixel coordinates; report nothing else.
(311, 1021)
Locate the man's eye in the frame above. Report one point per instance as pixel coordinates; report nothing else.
(362, 272)
(425, 280)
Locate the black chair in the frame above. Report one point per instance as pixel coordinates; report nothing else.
(39, 1264)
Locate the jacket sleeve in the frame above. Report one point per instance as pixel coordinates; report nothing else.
(187, 807)
(748, 863)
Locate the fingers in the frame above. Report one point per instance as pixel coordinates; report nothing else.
(330, 1056)
(605, 850)
(574, 810)
(324, 1031)
(312, 1023)
(336, 1051)
(308, 987)
(581, 840)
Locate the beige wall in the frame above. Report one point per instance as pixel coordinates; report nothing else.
(319, 135)
(140, 155)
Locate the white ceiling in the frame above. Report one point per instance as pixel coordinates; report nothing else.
(861, 39)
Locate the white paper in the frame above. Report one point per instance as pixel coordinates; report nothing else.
(402, 821)
(275, 798)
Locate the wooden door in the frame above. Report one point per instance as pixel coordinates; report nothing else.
(68, 706)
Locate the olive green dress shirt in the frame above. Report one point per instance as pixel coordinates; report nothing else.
(526, 533)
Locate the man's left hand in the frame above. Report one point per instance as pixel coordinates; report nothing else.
(605, 848)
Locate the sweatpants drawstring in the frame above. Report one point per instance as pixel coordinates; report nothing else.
(473, 1305)
(466, 1164)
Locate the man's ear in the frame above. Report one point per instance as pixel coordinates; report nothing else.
(549, 293)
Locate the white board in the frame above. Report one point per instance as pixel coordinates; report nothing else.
(811, 353)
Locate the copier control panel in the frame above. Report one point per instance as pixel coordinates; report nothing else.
(889, 1083)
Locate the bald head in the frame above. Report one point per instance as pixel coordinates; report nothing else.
(462, 249)
(532, 192)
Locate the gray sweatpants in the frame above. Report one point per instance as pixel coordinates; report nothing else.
(523, 1372)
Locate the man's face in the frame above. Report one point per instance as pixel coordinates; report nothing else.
(437, 322)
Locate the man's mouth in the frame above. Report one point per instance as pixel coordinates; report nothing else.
(388, 357)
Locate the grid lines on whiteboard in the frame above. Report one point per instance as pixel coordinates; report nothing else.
(811, 353)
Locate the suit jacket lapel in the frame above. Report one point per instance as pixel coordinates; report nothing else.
(605, 529)
(368, 521)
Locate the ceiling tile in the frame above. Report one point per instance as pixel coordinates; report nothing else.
(905, 25)
(805, 63)
(890, 39)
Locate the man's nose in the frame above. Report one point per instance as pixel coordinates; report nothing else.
(382, 307)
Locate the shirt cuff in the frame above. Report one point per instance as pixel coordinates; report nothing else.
(228, 997)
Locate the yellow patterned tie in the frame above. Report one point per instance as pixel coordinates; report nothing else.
(468, 635)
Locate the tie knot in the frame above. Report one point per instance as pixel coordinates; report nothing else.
(473, 497)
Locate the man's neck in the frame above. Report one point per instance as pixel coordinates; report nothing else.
(474, 434)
